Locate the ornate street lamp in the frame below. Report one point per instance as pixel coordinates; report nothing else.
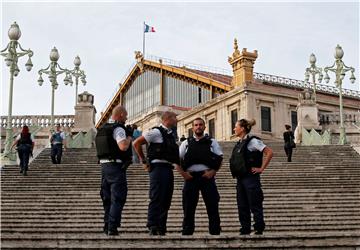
(340, 69)
(77, 73)
(53, 70)
(313, 71)
(11, 59)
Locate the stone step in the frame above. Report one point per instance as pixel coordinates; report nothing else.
(311, 202)
(284, 240)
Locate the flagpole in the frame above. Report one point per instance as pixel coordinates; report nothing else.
(144, 40)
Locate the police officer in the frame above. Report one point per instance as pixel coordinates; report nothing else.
(201, 158)
(162, 156)
(57, 141)
(255, 156)
(113, 145)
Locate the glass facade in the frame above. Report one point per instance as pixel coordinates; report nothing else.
(143, 94)
(183, 94)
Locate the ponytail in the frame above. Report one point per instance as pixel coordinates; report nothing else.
(247, 124)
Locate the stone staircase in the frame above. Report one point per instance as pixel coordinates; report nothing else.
(312, 202)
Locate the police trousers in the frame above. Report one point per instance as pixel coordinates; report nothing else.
(190, 198)
(250, 200)
(160, 194)
(113, 193)
(56, 153)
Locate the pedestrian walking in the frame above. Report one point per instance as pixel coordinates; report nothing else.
(289, 143)
(25, 145)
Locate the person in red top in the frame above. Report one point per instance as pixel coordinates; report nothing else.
(25, 144)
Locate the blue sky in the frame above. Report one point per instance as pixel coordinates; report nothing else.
(106, 34)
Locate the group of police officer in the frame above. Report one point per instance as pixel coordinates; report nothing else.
(197, 160)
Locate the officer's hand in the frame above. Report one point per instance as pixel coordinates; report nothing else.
(257, 170)
(209, 174)
(186, 176)
(146, 167)
(129, 130)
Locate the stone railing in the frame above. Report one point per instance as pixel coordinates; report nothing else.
(334, 118)
(278, 80)
(38, 121)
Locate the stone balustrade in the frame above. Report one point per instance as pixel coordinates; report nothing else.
(43, 121)
(334, 118)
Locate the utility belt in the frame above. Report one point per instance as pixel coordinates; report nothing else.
(108, 161)
(124, 164)
(160, 163)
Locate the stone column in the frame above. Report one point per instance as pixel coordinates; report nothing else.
(84, 113)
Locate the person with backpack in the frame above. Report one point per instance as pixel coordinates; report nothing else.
(57, 141)
(25, 145)
(162, 157)
(201, 157)
(249, 159)
(113, 147)
(289, 143)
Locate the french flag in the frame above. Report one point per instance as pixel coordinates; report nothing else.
(148, 28)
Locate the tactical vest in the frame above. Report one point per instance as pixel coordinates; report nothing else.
(242, 160)
(199, 152)
(25, 139)
(107, 147)
(167, 150)
(56, 137)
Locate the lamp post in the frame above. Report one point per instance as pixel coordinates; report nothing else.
(313, 71)
(11, 59)
(340, 69)
(53, 70)
(77, 73)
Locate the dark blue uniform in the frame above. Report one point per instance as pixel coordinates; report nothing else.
(113, 193)
(250, 199)
(162, 153)
(250, 196)
(56, 147)
(198, 157)
(113, 173)
(160, 194)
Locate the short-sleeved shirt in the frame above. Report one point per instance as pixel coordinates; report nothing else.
(255, 144)
(154, 136)
(215, 148)
(119, 134)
